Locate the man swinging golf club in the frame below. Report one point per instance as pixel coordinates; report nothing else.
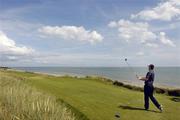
(149, 88)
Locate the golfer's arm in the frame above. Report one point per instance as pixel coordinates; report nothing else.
(143, 78)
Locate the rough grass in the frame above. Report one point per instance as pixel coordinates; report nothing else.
(101, 100)
(19, 101)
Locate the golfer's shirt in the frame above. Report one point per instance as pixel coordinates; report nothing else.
(150, 76)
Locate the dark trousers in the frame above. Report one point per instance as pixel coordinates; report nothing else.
(148, 93)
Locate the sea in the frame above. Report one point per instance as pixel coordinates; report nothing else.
(164, 76)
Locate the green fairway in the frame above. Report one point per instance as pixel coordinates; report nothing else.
(101, 100)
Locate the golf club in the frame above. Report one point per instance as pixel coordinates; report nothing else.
(130, 67)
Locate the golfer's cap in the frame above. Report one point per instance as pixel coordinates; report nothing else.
(151, 65)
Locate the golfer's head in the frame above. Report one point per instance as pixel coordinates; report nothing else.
(151, 67)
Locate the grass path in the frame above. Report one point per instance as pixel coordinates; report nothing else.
(100, 100)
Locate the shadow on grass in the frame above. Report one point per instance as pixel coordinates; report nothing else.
(175, 99)
(136, 108)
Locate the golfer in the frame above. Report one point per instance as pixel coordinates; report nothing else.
(149, 88)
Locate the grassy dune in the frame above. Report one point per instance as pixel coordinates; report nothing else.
(99, 100)
(19, 101)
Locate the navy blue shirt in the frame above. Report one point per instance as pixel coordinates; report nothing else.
(150, 76)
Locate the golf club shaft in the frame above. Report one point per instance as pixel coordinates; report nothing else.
(131, 68)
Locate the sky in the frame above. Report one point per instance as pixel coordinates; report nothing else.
(89, 32)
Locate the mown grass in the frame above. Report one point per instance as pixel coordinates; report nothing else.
(19, 101)
(101, 100)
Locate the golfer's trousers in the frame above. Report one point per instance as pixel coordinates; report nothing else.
(148, 93)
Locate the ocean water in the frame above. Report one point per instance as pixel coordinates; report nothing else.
(164, 76)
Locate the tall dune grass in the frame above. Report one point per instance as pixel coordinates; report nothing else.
(19, 101)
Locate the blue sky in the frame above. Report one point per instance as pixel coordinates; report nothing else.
(89, 32)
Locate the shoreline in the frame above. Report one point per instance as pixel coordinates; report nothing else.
(168, 90)
(128, 82)
(164, 79)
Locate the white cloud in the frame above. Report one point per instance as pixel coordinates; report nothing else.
(165, 40)
(9, 49)
(140, 53)
(112, 24)
(166, 11)
(133, 31)
(153, 45)
(74, 59)
(140, 32)
(72, 33)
